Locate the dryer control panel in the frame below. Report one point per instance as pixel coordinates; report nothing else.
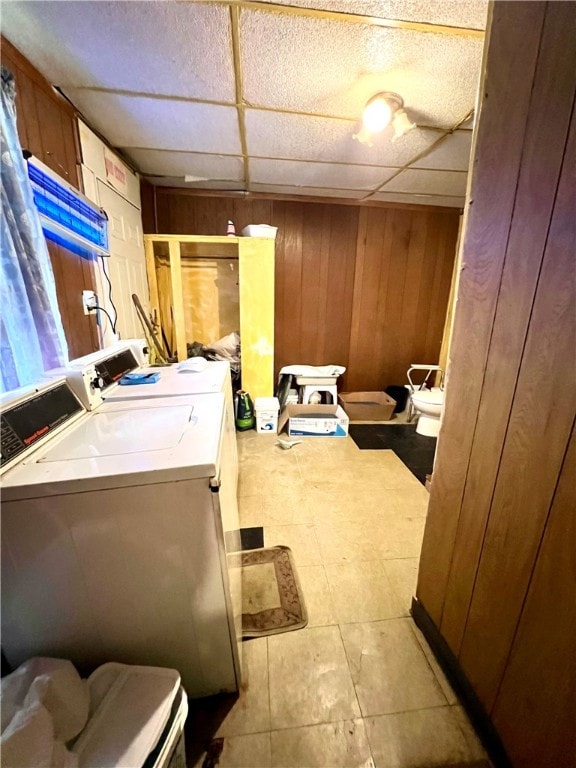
(27, 422)
(111, 369)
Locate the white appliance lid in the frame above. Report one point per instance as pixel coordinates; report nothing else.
(173, 381)
(123, 432)
(82, 457)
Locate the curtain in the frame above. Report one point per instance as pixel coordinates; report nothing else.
(31, 333)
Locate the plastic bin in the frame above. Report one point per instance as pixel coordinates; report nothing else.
(259, 230)
(266, 410)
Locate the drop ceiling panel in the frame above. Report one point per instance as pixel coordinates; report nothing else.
(454, 13)
(291, 173)
(159, 162)
(428, 183)
(451, 154)
(178, 181)
(303, 137)
(141, 121)
(443, 200)
(332, 68)
(176, 49)
(275, 189)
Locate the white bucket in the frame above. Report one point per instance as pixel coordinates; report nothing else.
(266, 410)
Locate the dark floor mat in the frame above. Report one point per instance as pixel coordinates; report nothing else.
(416, 451)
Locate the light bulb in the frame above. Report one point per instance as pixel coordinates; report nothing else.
(401, 124)
(364, 136)
(377, 115)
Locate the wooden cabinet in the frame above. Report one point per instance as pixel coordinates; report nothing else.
(203, 287)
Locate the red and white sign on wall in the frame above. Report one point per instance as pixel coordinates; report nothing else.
(116, 174)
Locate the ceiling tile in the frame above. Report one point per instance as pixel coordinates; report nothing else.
(321, 66)
(292, 173)
(303, 137)
(158, 162)
(428, 183)
(454, 13)
(178, 181)
(176, 49)
(444, 200)
(307, 191)
(141, 121)
(451, 154)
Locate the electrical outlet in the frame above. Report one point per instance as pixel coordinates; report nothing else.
(89, 301)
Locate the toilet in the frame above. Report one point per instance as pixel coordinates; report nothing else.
(428, 404)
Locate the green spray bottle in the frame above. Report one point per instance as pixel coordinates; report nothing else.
(244, 411)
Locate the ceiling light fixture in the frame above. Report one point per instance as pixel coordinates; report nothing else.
(380, 111)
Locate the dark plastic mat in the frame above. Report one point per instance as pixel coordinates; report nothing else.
(416, 451)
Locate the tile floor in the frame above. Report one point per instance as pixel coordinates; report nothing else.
(358, 686)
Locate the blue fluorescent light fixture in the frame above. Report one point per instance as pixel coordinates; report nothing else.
(68, 218)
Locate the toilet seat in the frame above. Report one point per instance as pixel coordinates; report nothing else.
(434, 396)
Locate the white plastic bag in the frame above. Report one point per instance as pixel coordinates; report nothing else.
(44, 704)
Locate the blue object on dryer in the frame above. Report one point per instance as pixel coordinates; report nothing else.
(139, 378)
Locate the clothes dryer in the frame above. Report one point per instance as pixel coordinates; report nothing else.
(113, 535)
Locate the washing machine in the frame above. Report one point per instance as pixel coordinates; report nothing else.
(96, 379)
(115, 525)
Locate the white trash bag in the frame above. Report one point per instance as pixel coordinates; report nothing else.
(44, 704)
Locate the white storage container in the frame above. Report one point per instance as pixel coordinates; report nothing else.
(259, 230)
(266, 410)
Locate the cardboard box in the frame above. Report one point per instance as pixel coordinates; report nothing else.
(314, 420)
(367, 406)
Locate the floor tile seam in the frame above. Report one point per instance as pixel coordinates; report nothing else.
(341, 561)
(366, 561)
(332, 722)
(406, 711)
(466, 736)
(410, 557)
(368, 620)
(338, 521)
(376, 621)
(246, 733)
(264, 463)
(281, 729)
(413, 628)
(334, 622)
(359, 718)
(349, 669)
(396, 599)
(298, 467)
(268, 682)
(291, 525)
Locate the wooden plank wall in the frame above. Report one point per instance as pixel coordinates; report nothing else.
(501, 491)
(47, 128)
(363, 287)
